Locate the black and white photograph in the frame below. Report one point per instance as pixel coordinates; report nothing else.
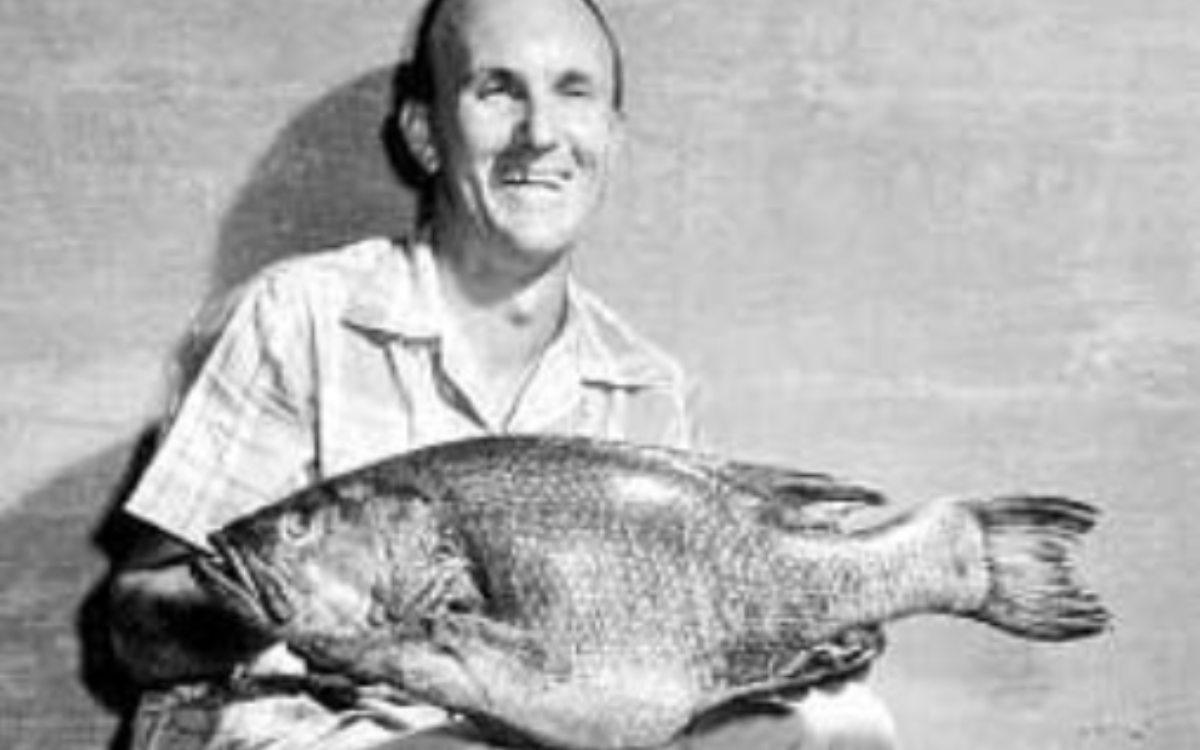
(599, 375)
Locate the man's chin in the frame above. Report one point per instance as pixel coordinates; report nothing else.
(541, 244)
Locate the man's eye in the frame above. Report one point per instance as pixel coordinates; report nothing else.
(578, 89)
(493, 88)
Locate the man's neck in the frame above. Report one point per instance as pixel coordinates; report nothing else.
(518, 302)
(504, 317)
(506, 331)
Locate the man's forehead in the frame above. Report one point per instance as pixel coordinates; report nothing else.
(467, 29)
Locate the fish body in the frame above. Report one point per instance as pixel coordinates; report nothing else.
(595, 594)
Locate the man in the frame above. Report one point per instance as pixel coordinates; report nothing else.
(474, 326)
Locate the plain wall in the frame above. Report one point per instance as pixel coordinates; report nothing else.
(949, 248)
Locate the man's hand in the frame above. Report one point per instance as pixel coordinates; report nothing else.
(277, 661)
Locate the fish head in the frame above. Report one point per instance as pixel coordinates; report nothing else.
(323, 564)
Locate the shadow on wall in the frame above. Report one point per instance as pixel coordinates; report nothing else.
(336, 174)
(61, 688)
(329, 177)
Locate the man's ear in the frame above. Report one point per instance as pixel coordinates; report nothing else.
(417, 130)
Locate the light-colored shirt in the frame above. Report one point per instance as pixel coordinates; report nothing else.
(331, 361)
(328, 362)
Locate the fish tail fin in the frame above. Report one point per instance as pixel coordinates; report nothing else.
(1031, 545)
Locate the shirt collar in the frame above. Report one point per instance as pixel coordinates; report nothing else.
(401, 299)
(608, 351)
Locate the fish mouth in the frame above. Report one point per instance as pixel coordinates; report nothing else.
(231, 576)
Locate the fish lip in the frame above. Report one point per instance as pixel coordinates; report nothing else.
(228, 572)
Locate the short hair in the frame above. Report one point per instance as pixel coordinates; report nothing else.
(418, 70)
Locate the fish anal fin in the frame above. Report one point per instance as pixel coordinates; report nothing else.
(842, 656)
(839, 658)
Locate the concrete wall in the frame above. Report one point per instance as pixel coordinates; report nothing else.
(948, 248)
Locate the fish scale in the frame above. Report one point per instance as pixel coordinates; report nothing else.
(595, 594)
(649, 578)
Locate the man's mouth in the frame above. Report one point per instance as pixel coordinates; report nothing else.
(555, 180)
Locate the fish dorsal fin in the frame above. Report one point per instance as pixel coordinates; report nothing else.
(784, 498)
(801, 501)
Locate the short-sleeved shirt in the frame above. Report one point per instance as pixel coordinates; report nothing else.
(331, 361)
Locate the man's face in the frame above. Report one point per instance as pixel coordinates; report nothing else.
(523, 121)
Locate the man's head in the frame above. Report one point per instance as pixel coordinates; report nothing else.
(513, 111)
(419, 74)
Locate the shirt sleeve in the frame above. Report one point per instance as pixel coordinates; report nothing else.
(241, 436)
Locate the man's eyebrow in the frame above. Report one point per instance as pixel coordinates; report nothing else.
(575, 76)
(473, 72)
(479, 71)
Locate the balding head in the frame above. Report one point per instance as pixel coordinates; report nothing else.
(439, 33)
(514, 123)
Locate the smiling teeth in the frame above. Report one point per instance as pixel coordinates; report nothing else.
(551, 179)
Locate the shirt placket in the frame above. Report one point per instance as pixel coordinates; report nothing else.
(554, 395)
(436, 409)
(452, 394)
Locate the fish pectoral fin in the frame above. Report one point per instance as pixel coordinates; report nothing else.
(538, 694)
(527, 690)
(414, 666)
(486, 642)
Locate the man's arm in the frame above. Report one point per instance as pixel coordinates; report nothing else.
(165, 627)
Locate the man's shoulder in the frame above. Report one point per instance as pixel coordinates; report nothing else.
(333, 271)
(324, 281)
(292, 292)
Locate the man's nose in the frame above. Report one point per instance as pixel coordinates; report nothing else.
(539, 126)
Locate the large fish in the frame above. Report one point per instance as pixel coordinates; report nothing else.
(601, 595)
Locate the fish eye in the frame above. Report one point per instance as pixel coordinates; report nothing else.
(298, 526)
(444, 549)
